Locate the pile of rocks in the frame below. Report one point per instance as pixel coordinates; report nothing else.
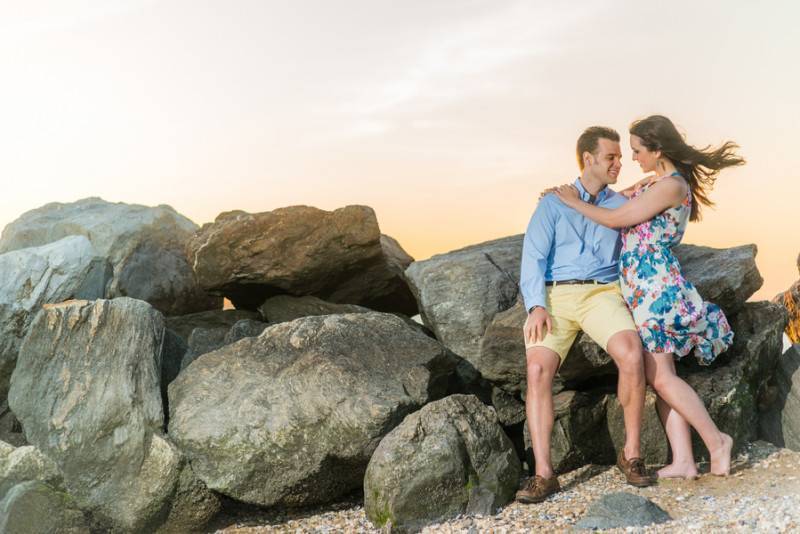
(131, 401)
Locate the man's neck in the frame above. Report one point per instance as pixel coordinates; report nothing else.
(591, 185)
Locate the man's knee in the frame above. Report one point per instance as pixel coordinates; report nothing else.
(626, 350)
(541, 367)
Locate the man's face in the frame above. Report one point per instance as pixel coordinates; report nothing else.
(606, 162)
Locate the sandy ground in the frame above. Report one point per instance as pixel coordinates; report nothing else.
(762, 494)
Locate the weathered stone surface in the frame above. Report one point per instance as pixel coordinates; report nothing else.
(282, 308)
(510, 410)
(172, 352)
(192, 506)
(725, 276)
(22, 464)
(10, 427)
(655, 448)
(36, 508)
(339, 256)
(450, 457)
(732, 386)
(621, 510)
(460, 292)
(202, 341)
(580, 434)
(312, 399)
(244, 328)
(780, 421)
(144, 245)
(69, 268)
(184, 324)
(86, 389)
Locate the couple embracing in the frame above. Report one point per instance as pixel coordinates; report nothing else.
(601, 261)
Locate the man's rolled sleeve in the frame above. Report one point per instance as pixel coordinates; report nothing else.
(535, 251)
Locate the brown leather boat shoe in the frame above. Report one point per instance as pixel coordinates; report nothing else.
(536, 489)
(634, 471)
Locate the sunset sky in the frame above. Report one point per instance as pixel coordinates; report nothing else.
(447, 117)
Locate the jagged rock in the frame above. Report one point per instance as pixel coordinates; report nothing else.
(450, 457)
(184, 324)
(312, 399)
(23, 464)
(144, 245)
(192, 506)
(580, 435)
(244, 328)
(733, 385)
(509, 409)
(10, 427)
(725, 276)
(172, 352)
(339, 256)
(621, 510)
(780, 420)
(282, 308)
(459, 292)
(34, 507)
(69, 268)
(86, 389)
(201, 341)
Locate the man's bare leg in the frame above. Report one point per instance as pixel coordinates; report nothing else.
(625, 348)
(542, 365)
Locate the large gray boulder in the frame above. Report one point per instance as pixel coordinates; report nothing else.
(144, 245)
(339, 256)
(780, 420)
(470, 299)
(36, 508)
(69, 268)
(450, 457)
(292, 416)
(183, 325)
(23, 464)
(86, 389)
(282, 308)
(621, 510)
(461, 291)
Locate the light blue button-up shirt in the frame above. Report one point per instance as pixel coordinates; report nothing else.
(562, 244)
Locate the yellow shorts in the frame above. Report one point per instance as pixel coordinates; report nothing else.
(597, 309)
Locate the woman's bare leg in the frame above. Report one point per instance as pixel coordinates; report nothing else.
(680, 442)
(681, 398)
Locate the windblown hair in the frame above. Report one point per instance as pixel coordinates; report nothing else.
(588, 140)
(699, 166)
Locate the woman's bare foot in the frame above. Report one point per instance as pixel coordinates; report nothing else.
(721, 457)
(681, 470)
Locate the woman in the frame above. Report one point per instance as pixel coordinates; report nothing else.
(671, 317)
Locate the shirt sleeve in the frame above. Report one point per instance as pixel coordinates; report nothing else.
(536, 248)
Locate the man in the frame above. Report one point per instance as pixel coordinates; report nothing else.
(569, 282)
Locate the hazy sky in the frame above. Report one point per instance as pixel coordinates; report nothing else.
(447, 117)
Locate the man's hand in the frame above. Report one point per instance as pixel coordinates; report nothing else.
(538, 320)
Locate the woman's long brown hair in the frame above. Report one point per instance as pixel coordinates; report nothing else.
(699, 166)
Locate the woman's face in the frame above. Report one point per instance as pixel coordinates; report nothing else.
(646, 159)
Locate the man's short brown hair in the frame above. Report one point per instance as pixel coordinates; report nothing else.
(587, 142)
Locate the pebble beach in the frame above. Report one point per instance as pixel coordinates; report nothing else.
(762, 494)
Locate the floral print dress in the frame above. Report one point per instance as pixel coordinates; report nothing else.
(667, 309)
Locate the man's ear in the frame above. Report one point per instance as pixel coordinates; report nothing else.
(588, 158)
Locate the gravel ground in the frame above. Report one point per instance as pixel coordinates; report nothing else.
(762, 494)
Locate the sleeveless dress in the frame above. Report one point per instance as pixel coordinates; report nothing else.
(668, 311)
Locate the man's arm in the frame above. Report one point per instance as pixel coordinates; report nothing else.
(536, 246)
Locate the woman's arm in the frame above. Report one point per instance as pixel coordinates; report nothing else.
(631, 189)
(667, 193)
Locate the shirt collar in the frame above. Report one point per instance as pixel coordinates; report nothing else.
(601, 195)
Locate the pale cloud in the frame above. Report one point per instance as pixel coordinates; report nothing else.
(459, 61)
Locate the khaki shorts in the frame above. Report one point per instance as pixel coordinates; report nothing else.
(597, 309)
